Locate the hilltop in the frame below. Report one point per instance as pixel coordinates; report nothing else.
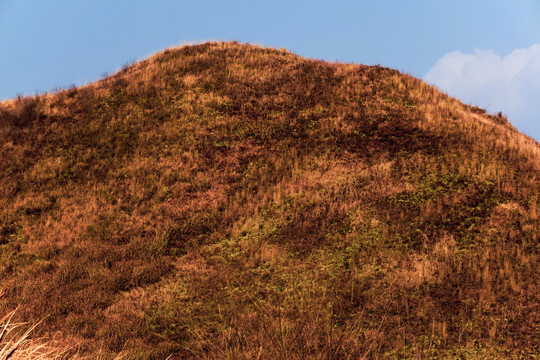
(230, 201)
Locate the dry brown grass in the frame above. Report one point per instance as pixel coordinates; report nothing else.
(19, 344)
(230, 201)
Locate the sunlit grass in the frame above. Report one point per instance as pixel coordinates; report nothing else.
(229, 201)
(18, 342)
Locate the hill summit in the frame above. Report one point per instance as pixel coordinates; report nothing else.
(230, 201)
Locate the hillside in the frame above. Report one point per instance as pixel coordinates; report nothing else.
(230, 201)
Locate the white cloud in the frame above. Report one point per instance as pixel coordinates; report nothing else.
(510, 84)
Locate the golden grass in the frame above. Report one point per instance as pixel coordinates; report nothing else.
(230, 201)
(17, 344)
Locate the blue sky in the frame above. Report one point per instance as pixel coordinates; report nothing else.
(57, 43)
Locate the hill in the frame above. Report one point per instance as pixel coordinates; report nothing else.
(229, 201)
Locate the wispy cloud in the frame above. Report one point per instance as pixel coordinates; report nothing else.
(510, 84)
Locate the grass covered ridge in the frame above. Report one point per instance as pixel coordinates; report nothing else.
(229, 201)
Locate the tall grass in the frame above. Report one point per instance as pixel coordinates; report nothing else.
(16, 343)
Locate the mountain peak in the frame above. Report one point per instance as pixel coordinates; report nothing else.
(230, 199)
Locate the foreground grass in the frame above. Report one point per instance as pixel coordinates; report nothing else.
(17, 344)
(227, 201)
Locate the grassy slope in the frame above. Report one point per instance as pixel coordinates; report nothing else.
(223, 200)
